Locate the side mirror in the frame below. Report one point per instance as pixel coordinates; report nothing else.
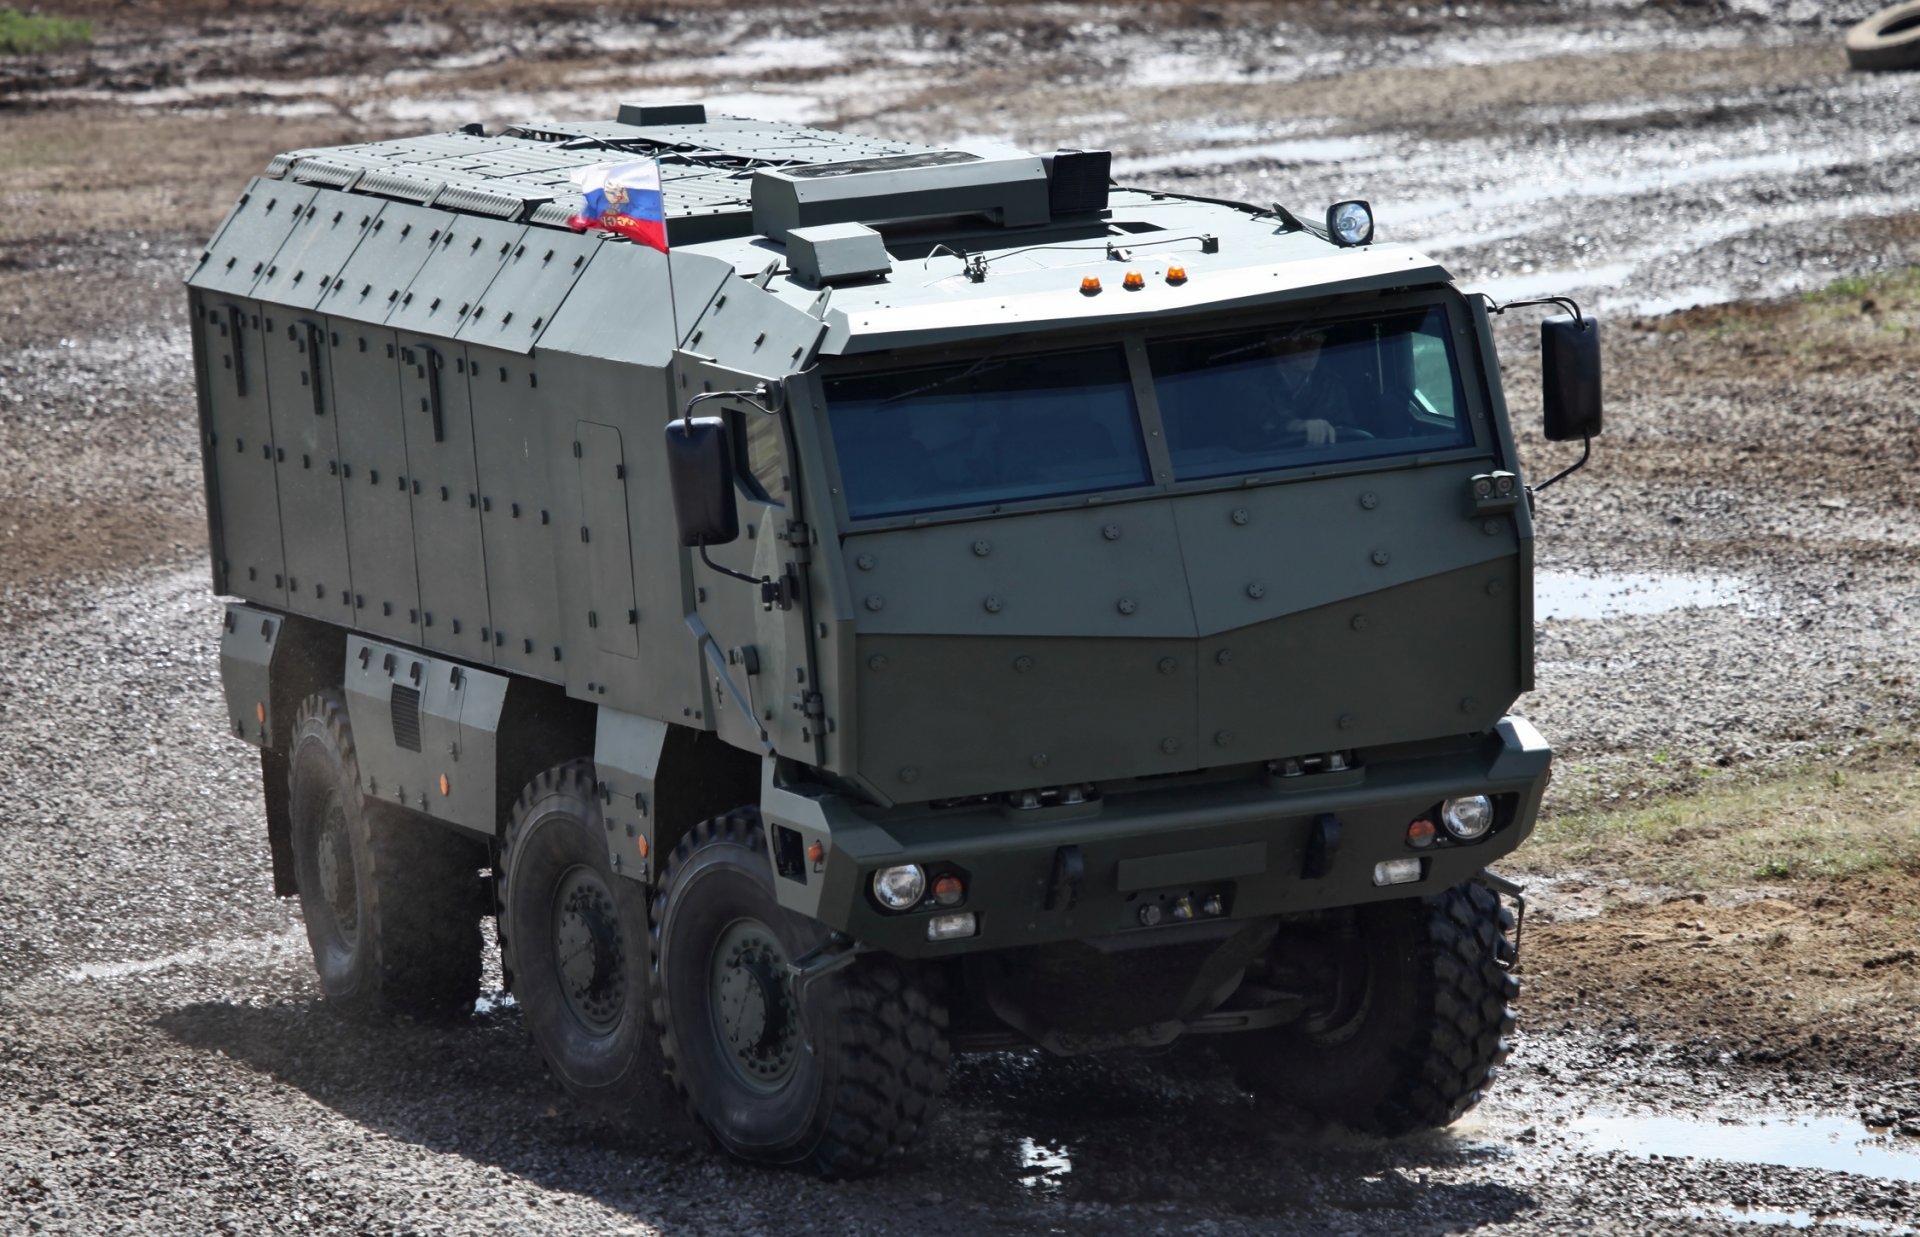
(700, 467)
(1570, 377)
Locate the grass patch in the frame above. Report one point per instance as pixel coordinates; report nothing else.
(1811, 824)
(31, 34)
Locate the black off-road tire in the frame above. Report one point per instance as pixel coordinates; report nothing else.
(1427, 1029)
(1890, 39)
(845, 1073)
(390, 901)
(573, 937)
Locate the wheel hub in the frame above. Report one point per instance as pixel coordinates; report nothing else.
(334, 859)
(753, 1008)
(589, 950)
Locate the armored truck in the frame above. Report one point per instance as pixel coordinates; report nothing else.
(939, 601)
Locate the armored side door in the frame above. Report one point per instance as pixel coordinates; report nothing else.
(448, 556)
(511, 432)
(306, 458)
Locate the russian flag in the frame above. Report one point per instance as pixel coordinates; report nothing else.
(623, 198)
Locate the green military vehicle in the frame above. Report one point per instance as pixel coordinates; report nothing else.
(943, 603)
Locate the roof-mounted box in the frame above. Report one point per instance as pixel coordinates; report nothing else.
(836, 253)
(1010, 191)
(647, 114)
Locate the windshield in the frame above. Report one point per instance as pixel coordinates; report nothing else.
(1297, 393)
(987, 431)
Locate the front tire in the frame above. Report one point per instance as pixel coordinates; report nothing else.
(832, 1078)
(1422, 1029)
(389, 900)
(574, 937)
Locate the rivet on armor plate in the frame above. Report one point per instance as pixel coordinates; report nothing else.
(1223, 738)
(1359, 622)
(1469, 703)
(877, 662)
(1111, 532)
(864, 562)
(1022, 663)
(1491, 528)
(1038, 760)
(1223, 657)
(982, 548)
(1240, 515)
(1345, 721)
(1495, 588)
(1381, 558)
(1369, 500)
(1125, 605)
(991, 605)
(1256, 590)
(876, 602)
(908, 773)
(1169, 746)
(1168, 665)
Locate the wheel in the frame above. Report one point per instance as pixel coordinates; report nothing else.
(1418, 1029)
(832, 1078)
(574, 939)
(1890, 39)
(390, 901)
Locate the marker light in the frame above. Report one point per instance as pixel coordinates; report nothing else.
(1090, 286)
(1396, 872)
(949, 890)
(1420, 834)
(1350, 223)
(1468, 817)
(642, 841)
(816, 853)
(260, 712)
(1176, 275)
(1134, 281)
(446, 788)
(900, 888)
(952, 927)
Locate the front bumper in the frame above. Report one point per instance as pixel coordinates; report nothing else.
(1075, 872)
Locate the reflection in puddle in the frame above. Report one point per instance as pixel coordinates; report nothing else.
(1797, 1219)
(1827, 1144)
(1047, 1165)
(1579, 595)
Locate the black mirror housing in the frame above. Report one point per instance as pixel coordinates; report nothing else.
(700, 468)
(1570, 377)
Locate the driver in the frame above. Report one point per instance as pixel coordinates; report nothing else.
(1307, 400)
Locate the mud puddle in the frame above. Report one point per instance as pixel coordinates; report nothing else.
(1764, 1216)
(1569, 595)
(1782, 1140)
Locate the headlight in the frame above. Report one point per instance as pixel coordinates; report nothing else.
(1350, 223)
(901, 888)
(1467, 817)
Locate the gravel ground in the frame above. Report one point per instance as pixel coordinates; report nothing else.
(1728, 588)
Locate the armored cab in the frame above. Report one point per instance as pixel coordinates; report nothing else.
(943, 602)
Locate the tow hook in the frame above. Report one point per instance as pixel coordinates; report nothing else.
(1500, 886)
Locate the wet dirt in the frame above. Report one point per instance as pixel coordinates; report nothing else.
(1728, 585)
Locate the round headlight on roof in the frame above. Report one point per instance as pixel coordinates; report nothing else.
(1350, 223)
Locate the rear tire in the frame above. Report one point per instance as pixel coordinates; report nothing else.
(1890, 39)
(1427, 1024)
(574, 939)
(390, 901)
(834, 1079)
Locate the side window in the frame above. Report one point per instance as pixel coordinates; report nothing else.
(1433, 384)
(763, 455)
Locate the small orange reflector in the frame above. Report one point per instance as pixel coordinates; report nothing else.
(1134, 281)
(260, 713)
(816, 853)
(1176, 274)
(949, 890)
(1090, 286)
(1420, 833)
(445, 788)
(643, 846)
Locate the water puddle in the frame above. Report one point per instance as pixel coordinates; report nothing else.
(1562, 595)
(1795, 1219)
(1825, 1144)
(1044, 1166)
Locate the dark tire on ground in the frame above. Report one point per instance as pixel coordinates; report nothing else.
(834, 1081)
(1419, 1042)
(1890, 39)
(389, 900)
(574, 938)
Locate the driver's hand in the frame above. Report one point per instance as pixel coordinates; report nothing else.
(1319, 433)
